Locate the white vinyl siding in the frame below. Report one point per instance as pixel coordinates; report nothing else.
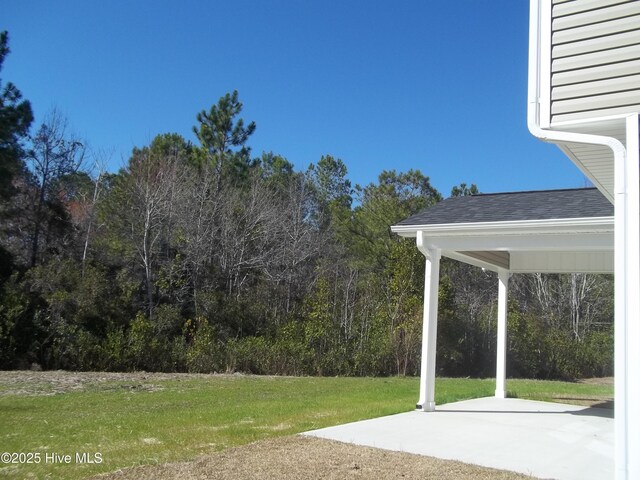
(595, 69)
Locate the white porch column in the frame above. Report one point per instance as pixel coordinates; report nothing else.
(426, 402)
(501, 349)
(627, 307)
(633, 295)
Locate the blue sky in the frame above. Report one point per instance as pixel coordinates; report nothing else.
(435, 86)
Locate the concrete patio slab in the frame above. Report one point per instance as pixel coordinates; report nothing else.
(542, 439)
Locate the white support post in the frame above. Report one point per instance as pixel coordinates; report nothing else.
(501, 348)
(627, 322)
(426, 401)
(627, 306)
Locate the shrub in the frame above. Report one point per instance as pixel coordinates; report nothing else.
(249, 355)
(203, 353)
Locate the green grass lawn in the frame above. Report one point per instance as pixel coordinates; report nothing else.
(183, 418)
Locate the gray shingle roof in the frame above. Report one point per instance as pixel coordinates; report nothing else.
(504, 207)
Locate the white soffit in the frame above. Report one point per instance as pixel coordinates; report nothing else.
(595, 161)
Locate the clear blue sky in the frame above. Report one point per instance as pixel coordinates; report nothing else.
(435, 86)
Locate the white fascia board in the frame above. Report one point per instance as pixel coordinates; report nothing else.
(577, 234)
(517, 227)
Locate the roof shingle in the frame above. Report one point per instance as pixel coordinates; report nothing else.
(515, 206)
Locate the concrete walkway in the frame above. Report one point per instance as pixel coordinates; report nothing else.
(545, 440)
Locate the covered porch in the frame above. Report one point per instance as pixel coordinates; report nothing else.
(542, 439)
(551, 231)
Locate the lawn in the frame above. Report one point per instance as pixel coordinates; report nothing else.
(148, 419)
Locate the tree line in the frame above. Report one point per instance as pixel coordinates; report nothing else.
(201, 257)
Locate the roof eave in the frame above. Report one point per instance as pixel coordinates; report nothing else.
(516, 227)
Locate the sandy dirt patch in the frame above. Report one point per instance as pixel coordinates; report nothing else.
(27, 382)
(298, 457)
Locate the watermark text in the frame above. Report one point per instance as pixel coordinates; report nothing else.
(26, 458)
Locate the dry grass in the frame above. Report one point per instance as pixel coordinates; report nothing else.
(38, 383)
(300, 457)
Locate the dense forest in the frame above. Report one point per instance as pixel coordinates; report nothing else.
(202, 257)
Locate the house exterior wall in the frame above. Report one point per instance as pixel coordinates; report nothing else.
(594, 59)
(610, 103)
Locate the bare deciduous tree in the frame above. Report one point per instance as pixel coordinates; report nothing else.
(54, 153)
(149, 185)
